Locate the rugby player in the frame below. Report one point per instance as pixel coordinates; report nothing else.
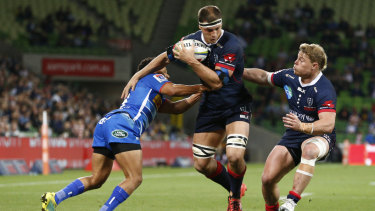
(117, 136)
(310, 133)
(225, 111)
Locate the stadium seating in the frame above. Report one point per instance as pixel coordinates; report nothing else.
(144, 12)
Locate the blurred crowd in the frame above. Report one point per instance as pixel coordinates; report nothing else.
(59, 28)
(72, 111)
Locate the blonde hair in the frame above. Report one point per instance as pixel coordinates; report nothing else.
(315, 53)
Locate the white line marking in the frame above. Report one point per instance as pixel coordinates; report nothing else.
(302, 195)
(148, 176)
(372, 183)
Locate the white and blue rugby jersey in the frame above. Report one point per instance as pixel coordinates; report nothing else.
(143, 103)
(305, 100)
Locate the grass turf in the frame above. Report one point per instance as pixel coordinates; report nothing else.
(333, 187)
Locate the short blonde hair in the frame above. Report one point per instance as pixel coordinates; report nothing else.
(315, 53)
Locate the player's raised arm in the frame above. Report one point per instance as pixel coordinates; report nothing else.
(258, 76)
(180, 106)
(156, 64)
(204, 73)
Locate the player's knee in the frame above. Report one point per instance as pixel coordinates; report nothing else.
(234, 158)
(268, 180)
(310, 152)
(137, 180)
(96, 182)
(201, 165)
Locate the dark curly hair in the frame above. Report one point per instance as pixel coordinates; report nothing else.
(144, 62)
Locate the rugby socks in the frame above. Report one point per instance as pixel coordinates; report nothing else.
(272, 207)
(73, 189)
(235, 181)
(220, 176)
(118, 196)
(293, 195)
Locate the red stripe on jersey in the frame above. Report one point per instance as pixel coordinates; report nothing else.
(326, 110)
(225, 66)
(309, 108)
(272, 79)
(163, 86)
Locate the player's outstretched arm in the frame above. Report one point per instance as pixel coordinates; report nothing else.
(256, 75)
(180, 106)
(172, 89)
(156, 64)
(186, 55)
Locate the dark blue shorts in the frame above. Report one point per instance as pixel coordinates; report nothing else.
(209, 120)
(294, 146)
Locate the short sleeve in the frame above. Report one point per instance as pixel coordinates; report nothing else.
(327, 100)
(278, 78)
(156, 81)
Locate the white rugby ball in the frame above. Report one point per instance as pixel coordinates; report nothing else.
(200, 49)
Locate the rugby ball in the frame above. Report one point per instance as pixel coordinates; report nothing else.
(200, 49)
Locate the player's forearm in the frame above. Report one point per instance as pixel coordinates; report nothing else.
(156, 64)
(255, 75)
(318, 127)
(183, 90)
(206, 74)
(183, 105)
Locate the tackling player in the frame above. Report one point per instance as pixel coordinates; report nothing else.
(225, 111)
(117, 136)
(310, 133)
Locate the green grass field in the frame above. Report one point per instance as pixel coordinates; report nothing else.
(334, 187)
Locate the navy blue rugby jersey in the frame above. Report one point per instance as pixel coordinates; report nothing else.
(225, 53)
(305, 100)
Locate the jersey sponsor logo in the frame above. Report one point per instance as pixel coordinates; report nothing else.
(119, 133)
(288, 92)
(303, 117)
(160, 77)
(230, 57)
(328, 104)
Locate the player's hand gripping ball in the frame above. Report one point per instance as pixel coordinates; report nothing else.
(201, 50)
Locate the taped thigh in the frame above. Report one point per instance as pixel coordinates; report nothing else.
(202, 151)
(237, 141)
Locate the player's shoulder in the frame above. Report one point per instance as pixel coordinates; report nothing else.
(289, 72)
(229, 40)
(158, 77)
(324, 84)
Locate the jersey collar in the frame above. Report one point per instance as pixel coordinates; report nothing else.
(222, 33)
(316, 79)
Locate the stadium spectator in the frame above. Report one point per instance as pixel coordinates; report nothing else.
(225, 111)
(117, 136)
(354, 121)
(312, 101)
